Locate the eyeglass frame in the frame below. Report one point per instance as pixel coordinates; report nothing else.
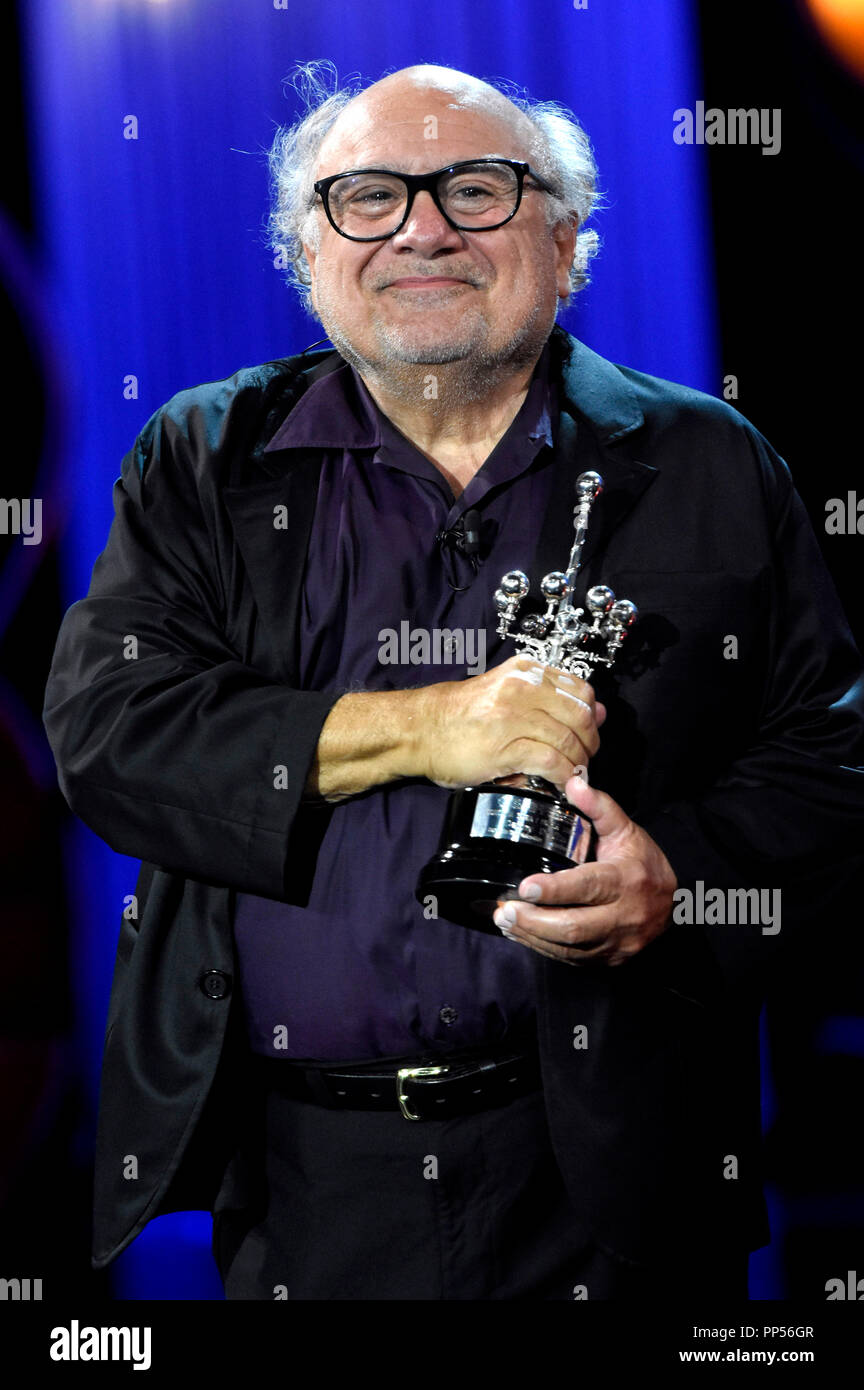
(417, 183)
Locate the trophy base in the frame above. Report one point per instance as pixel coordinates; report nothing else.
(471, 873)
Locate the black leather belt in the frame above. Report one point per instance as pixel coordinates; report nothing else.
(430, 1088)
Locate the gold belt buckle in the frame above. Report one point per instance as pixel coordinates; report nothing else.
(401, 1076)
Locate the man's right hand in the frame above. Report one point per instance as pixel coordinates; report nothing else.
(520, 717)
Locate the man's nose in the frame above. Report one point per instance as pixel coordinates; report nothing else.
(426, 227)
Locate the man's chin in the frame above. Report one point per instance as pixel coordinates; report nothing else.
(427, 355)
(420, 346)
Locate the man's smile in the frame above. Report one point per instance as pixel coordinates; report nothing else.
(424, 282)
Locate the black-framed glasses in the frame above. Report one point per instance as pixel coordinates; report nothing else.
(475, 195)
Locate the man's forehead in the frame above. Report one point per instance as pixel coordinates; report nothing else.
(420, 129)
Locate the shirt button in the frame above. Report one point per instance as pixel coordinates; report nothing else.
(216, 984)
(448, 1015)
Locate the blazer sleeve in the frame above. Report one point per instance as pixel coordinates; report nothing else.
(167, 745)
(788, 812)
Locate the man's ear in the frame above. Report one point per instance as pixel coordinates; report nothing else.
(312, 262)
(564, 234)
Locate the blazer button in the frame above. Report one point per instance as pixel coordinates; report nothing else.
(215, 984)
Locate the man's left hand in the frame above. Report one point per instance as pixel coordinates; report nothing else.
(604, 911)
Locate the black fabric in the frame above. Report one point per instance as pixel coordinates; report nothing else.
(327, 1205)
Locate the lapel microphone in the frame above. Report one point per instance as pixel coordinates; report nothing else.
(464, 537)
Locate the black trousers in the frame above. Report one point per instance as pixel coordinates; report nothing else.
(326, 1204)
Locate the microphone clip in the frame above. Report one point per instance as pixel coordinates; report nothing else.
(464, 536)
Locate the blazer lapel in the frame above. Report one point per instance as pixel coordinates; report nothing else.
(271, 512)
(598, 415)
(274, 543)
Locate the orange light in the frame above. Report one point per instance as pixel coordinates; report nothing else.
(841, 25)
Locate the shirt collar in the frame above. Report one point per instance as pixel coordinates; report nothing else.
(338, 412)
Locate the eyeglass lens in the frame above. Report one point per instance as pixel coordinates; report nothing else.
(374, 204)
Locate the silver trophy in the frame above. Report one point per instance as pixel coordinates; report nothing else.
(497, 833)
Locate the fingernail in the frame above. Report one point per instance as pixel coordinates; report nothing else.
(531, 891)
(505, 916)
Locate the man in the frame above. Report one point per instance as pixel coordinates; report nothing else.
(219, 706)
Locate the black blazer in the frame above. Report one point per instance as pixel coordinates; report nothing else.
(172, 697)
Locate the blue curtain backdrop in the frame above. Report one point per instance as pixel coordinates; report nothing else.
(157, 267)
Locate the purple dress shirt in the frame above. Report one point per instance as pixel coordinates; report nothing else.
(358, 971)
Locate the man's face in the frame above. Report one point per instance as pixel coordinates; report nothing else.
(431, 293)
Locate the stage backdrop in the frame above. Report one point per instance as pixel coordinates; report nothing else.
(160, 276)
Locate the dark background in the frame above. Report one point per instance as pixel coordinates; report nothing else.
(788, 254)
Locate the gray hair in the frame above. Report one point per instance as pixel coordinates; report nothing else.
(561, 152)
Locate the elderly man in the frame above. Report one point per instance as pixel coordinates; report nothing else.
(220, 707)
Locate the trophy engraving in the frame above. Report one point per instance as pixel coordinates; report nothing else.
(498, 832)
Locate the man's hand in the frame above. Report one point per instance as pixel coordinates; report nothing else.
(520, 717)
(625, 898)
